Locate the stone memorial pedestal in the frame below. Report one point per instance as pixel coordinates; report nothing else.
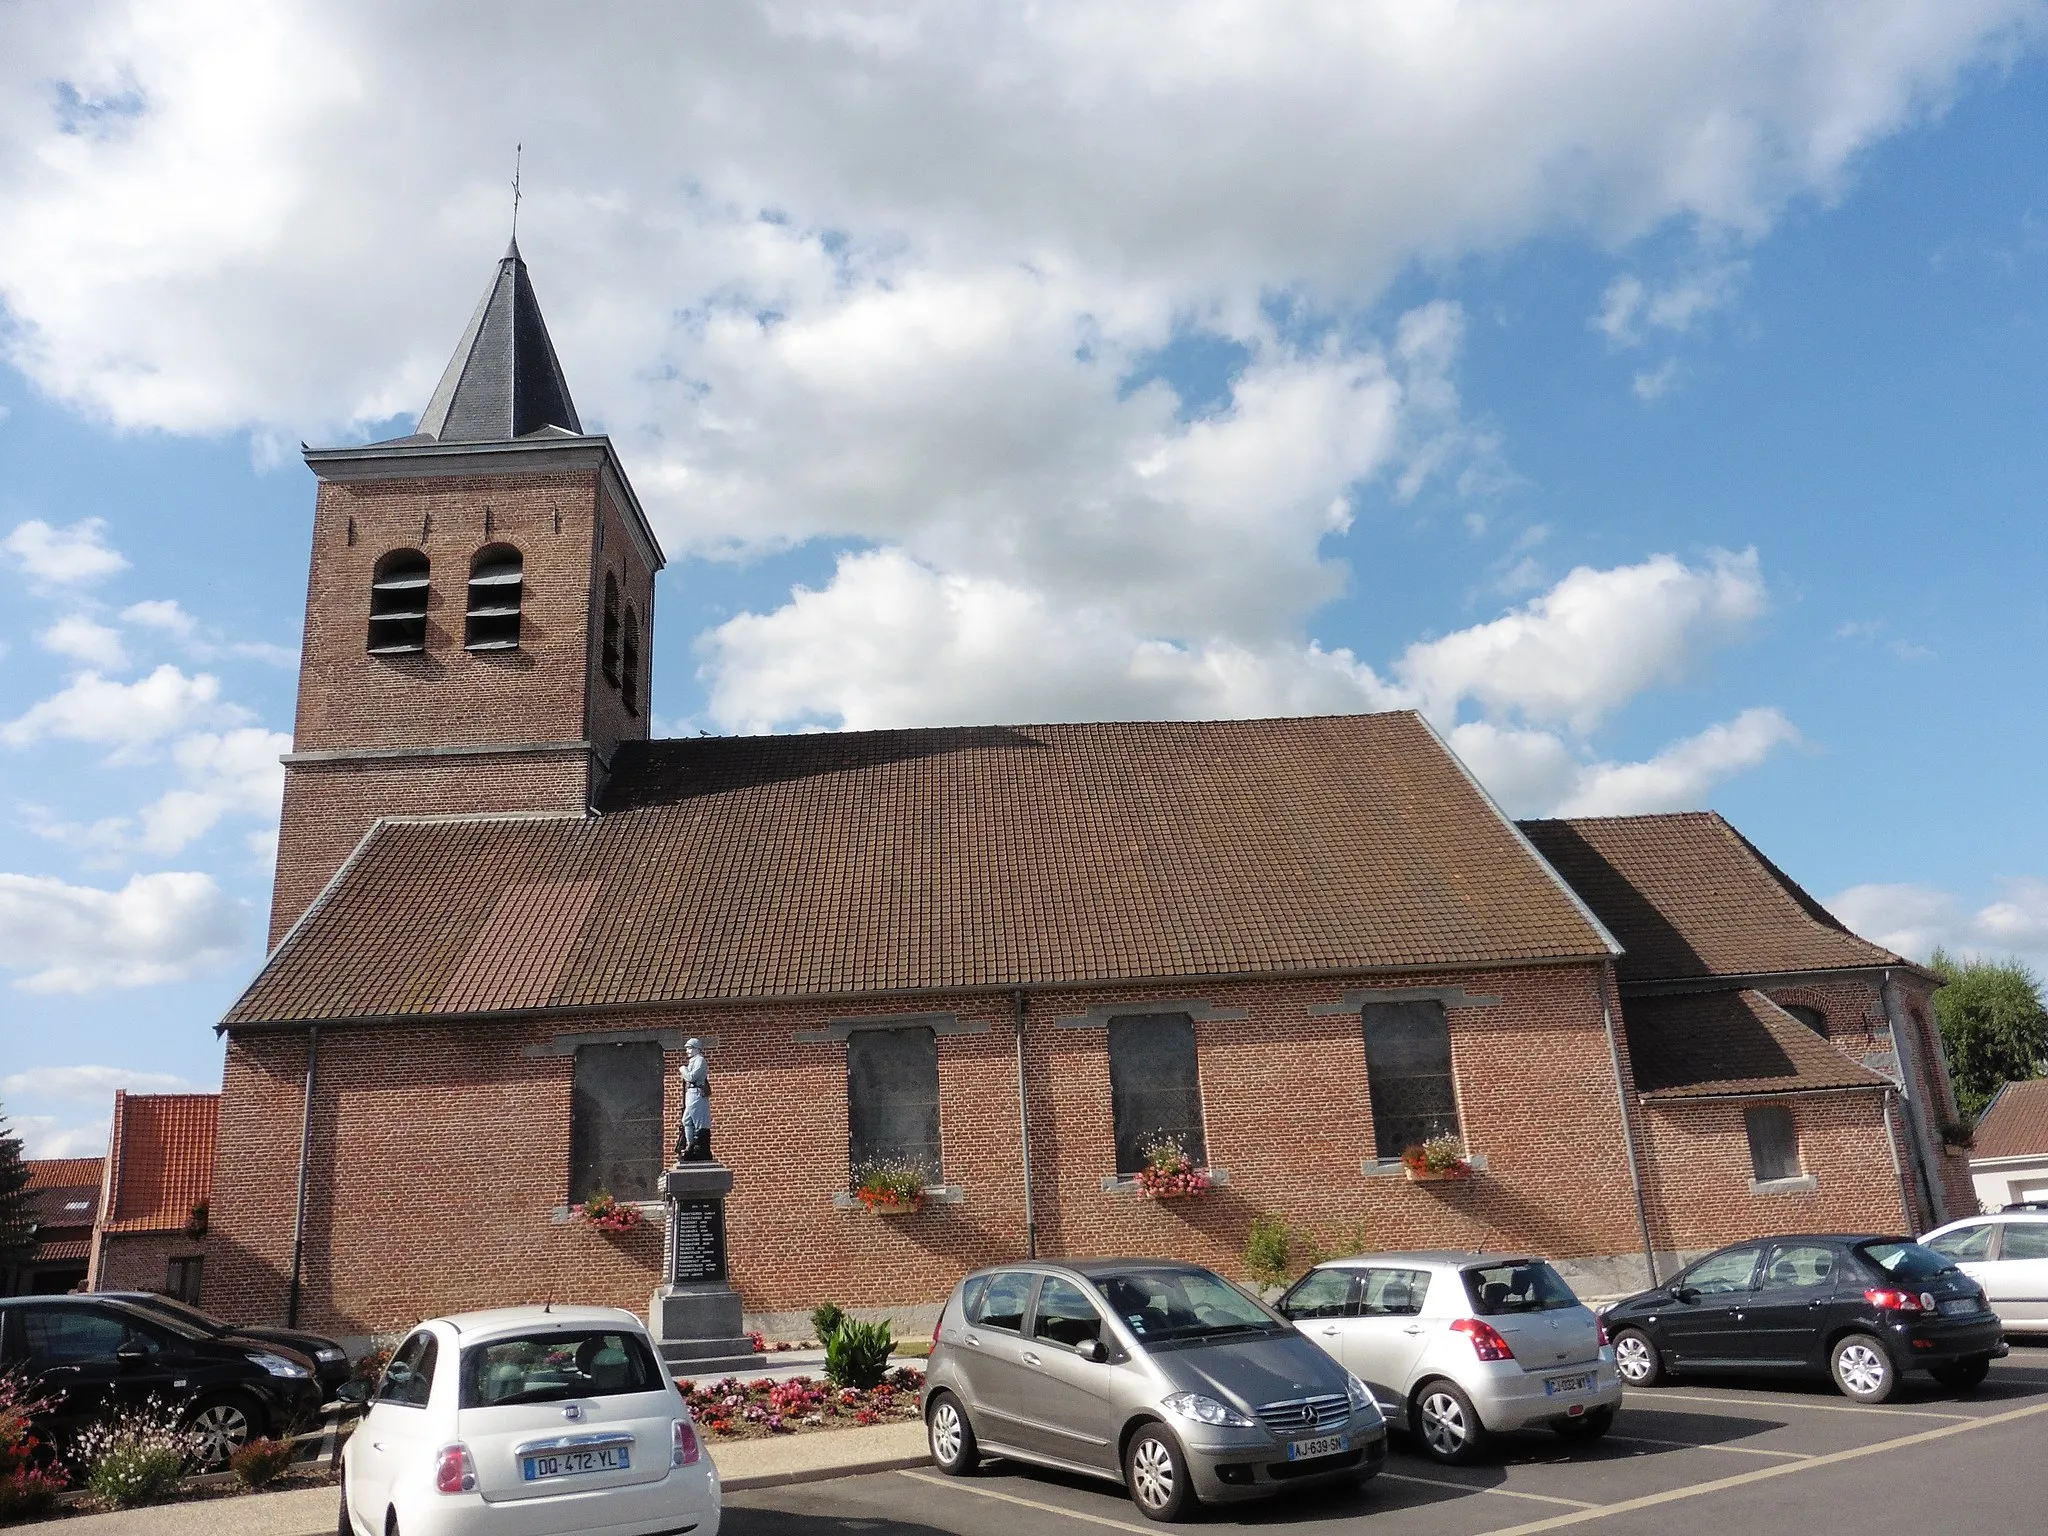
(695, 1316)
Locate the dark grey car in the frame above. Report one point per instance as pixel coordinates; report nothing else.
(1164, 1377)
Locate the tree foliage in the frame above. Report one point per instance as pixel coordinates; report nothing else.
(1993, 1026)
(17, 1241)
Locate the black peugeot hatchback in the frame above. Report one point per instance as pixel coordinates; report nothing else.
(1863, 1310)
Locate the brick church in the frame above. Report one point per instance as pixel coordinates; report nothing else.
(1010, 956)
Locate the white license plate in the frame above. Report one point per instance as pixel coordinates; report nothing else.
(1322, 1445)
(611, 1458)
(1962, 1306)
(1557, 1386)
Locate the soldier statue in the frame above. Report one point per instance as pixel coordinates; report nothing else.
(693, 1136)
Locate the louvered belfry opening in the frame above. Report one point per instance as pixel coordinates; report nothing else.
(610, 652)
(497, 582)
(398, 604)
(629, 676)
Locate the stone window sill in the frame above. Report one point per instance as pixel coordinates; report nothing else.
(934, 1194)
(655, 1211)
(1394, 1168)
(1127, 1184)
(1805, 1184)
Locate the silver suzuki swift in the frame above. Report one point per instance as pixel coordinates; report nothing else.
(1162, 1376)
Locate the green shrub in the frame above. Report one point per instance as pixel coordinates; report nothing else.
(857, 1354)
(1266, 1250)
(260, 1462)
(825, 1320)
(136, 1457)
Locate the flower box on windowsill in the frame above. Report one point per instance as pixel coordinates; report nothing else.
(1394, 1168)
(1127, 1184)
(934, 1194)
(1457, 1173)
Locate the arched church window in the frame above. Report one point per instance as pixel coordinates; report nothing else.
(497, 580)
(398, 604)
(1812, 1018)
(629, 665)
(610, 649)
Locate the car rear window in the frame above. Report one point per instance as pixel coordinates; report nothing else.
(1905, 1261)
(542, 1367)
(1520, 1285)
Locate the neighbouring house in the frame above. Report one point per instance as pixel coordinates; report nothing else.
(155, 1194)
(64, 1195)
(1013, 959)
(2009, 1158)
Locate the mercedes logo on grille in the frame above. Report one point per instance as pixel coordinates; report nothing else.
(1308, 1413)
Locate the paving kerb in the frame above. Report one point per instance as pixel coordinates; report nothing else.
(823, 1454)
(295, 1512)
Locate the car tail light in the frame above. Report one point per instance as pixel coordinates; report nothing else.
(688, 1448)
(1894, 1301)
(1601, 1324)
(939, 1324)
(454, 1471)
(1486, 1340)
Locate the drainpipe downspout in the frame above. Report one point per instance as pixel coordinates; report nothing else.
(1891, 1140)
(1024, 1133)
(1628, 1133)
(291, 1310)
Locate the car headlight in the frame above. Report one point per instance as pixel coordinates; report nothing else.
(277, 1365)
(1205, 1410)
(1360, 1394)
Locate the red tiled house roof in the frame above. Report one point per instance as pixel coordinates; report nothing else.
(64, 1196)
(2015, 1123)
(65, 1172)
(159, 1159)
(837, 864)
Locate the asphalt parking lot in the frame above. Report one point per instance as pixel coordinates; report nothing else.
(1748, 1455)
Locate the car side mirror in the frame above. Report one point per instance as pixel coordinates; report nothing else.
(1091, 1349)
(1685, 1293)
(131, 1354)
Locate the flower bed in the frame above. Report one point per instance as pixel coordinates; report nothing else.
(755, 1410)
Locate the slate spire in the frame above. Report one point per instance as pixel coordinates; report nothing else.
(503, 381)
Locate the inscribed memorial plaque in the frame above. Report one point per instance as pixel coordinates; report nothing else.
(696, 1241)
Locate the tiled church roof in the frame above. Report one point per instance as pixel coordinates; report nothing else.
(1689, 896)
(834, 864)
(1692, 1045)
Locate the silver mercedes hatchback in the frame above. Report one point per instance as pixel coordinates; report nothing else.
(1460, 1346)
(1164, 1377)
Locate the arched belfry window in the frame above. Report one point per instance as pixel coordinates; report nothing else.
(629, 665)
(610, 651)
(398, 604)
(497, 580)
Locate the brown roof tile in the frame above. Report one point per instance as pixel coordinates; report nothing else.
(161, 1148)
(933, 859)
(1690, 1045)
(64, 1172)
(2015, 1123)
(57, 1249)
(1689, 896)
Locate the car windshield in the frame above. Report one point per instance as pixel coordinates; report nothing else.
(177, 1311)
(541, 1367)
(1906, 1261)
(1520, 1285)
(1160, 1305)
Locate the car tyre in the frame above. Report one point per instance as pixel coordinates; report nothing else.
(950, 1436)
(1447, 1426)
(343, 1526)
(1156, 1475)
(223, 1425)
(1964, 1375)
(1639, 1361)
(1586, 1428)
(1862, 1369)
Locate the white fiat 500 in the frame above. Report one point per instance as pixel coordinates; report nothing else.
(528, 1421)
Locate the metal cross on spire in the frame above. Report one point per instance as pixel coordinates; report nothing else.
(518, 152)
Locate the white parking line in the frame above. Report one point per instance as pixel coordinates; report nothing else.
(1661, 1396)
(1762, 1474)
(1010, 1498)
(1506, 1493)
(1696, 1445)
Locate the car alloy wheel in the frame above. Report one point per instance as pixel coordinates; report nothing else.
(952, 1439)
(1635, 1357)
(1862, 1370)
(1156, 1476)
(221, 1429)
(1450, 1425)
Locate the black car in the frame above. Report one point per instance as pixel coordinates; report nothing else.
(1863, 1310)
(330, 1360)
(98, 1356)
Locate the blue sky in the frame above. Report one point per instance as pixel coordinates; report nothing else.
(1670, 447)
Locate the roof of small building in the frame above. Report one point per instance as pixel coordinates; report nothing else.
(64, 1172)
(1689, 896)
(161, 1155)
(2015, 1123)
(918, 860)
(1699, 1045)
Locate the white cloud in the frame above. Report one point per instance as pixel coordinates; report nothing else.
(1912, 920)
(1679, 777)
(125, 716)
(166, 617)
(89, 1084)
(87, 640)
(48, 1136)
(1630, 309)
(156, 928)
(237, 772)
(1655, 383)
(73, 556)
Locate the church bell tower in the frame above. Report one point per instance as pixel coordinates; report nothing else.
(479, 616)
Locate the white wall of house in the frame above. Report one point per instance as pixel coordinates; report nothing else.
(2002, 1181)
